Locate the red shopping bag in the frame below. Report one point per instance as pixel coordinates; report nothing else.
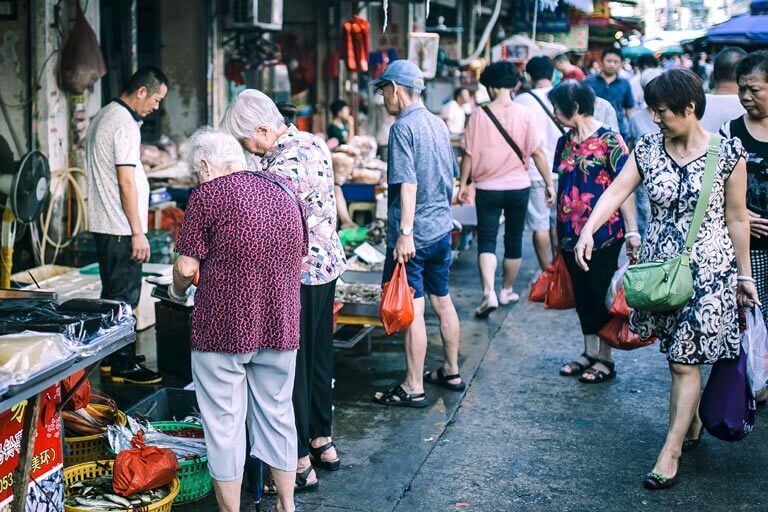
(82, 396)
(143, 468)
(396, 310)
(619, 308)
(560, 292)
(616, 333)
(540, 287)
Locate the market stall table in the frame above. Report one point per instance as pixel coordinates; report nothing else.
(33, 395)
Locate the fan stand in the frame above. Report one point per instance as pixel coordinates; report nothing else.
(7, 238)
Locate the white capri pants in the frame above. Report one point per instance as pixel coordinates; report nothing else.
(257, 383)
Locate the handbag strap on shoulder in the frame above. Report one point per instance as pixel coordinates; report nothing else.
(713, 152)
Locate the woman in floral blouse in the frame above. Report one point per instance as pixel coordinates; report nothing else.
(588, 158)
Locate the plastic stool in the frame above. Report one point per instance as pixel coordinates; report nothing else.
(363, 208)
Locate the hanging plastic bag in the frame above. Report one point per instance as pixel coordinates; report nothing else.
(397, 302)
(82, 63)
(82, 396)
(143, 468)
(617, 334)
(540, 287)
(755, 342)
(620, 308)
(617, 284)
(560, 293)
(727, 408)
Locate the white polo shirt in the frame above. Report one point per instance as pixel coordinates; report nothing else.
(113, 140)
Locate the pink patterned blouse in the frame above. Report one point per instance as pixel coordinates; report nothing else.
(249, 237)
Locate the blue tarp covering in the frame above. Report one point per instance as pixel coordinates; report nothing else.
(747, 29)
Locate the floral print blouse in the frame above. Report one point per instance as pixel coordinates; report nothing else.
(304, 160)
(585, 170)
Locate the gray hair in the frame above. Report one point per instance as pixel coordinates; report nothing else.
(414, 94)
(250, 110)
(218, 148)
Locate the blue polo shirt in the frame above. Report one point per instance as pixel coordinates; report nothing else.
(420, 153)
(618, 93)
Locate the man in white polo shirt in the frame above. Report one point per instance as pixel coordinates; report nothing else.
(118, 202)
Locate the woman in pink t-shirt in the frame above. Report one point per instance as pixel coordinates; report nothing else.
(498, 142)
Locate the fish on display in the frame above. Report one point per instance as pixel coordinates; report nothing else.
(98, 494)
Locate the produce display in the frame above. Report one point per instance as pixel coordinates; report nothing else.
(98, 494)
(25, 355)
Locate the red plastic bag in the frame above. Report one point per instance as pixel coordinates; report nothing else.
(396, 310)
(82, 63)
(560, 292)
(82, 396)
(616, 333)
(143, 468)
(540, 287)
(619, 308)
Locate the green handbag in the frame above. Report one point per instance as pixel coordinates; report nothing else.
(662, 286)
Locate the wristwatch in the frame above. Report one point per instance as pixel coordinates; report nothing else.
(406, 230)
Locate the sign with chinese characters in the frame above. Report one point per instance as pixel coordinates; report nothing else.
(47, 460)
(576, 39)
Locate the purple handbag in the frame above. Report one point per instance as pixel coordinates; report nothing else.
(727, 408)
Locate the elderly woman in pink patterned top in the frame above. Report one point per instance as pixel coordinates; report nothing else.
(245, 232)
(305, 161)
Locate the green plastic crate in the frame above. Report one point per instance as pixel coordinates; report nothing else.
(195, 480)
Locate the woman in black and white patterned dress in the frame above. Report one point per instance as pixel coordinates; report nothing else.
(671, 165)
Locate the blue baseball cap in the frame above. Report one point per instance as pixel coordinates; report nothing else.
(402, 72)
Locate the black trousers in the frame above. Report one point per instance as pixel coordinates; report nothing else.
(590, 288)
(120, 280)
(489, 205)
(312, 393)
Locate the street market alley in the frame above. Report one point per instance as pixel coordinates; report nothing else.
(522, 438)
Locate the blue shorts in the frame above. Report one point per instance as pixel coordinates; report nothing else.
(428, 271)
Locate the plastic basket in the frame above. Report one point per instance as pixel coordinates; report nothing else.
(88, 448)
(194, 478)
(80, 472)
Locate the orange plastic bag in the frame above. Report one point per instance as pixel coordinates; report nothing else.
(82, 396)
(616, 333)
(143, 468)
(619, 308)
(560, 292)
(396, 310)
(540, 287)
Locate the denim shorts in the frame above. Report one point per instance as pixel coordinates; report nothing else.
(428, 271)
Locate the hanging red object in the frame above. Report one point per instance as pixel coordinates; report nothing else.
(355, 43)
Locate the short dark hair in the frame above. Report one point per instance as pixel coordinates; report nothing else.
(540, 68)
(148, 76)
(611, 51)
(500, 75)
(676, 89)
(647, 62)
(458, 92)
(753, 63)
(288, 110)
(726, 61)
(571, 95)
(337, 106)
(560, 57)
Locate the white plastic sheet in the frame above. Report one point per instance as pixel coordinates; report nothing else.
(755, 344)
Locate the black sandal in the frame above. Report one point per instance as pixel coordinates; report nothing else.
(316, 453)
(416, 400)
(442, 380)
(691, 444)
(270, 489)
(599, 375)
(576, 367)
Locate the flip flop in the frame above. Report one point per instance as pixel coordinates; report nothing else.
(442, 380)
(415, 400)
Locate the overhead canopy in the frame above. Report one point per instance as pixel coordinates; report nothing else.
(633, 52)
(747, 29)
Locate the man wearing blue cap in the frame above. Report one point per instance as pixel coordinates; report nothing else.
(421, 170)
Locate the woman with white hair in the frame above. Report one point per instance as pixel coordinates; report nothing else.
(246, 235)
(304, 160)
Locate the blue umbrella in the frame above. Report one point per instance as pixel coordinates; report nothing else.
(747, 29)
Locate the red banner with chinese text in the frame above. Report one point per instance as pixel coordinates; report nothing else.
(47, 457)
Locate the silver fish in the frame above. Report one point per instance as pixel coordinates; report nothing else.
(118, 499)
(101, 504)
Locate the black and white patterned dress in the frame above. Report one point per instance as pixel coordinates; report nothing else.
(707, 328)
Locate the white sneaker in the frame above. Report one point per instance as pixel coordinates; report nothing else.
(507, 296)
(489, 305)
